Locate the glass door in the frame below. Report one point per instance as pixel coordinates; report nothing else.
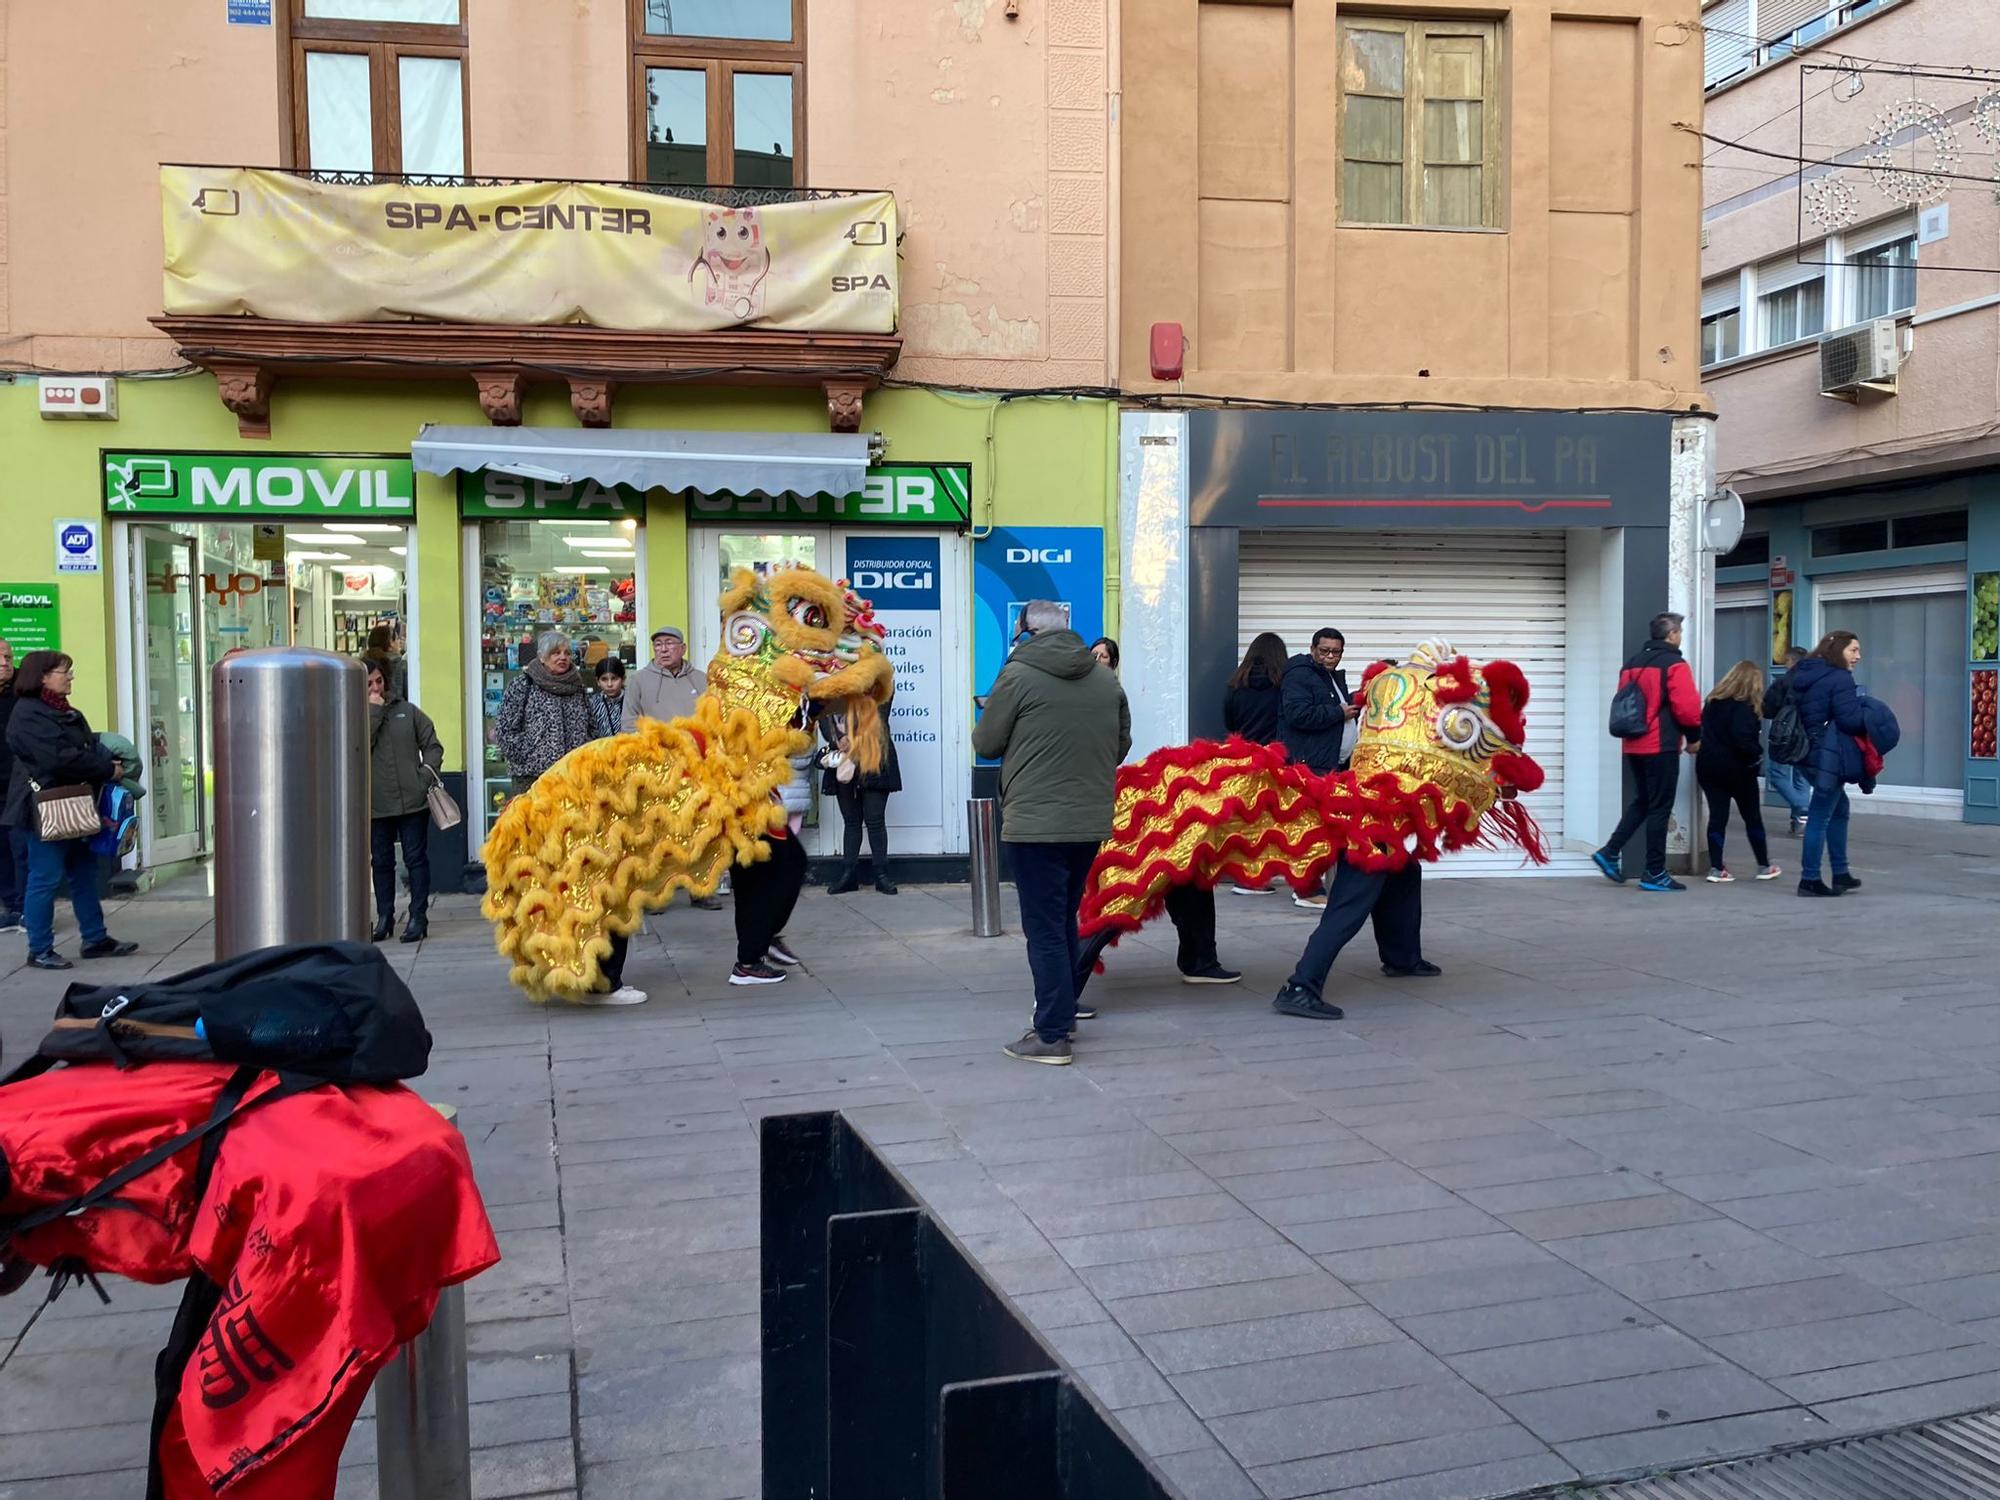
(171, 694)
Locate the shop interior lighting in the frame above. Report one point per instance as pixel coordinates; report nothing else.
(573, 568)
(372, 526)
(574, 523)
(341, 537)
(321, 557)
(400, 551)
(598, 541)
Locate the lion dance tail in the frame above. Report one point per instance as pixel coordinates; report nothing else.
(615, 827)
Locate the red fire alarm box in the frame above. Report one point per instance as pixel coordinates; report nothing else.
(1169, 345)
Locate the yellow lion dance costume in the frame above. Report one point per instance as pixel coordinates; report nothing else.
(614, 828)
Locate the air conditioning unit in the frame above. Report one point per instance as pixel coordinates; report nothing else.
(1862, 358)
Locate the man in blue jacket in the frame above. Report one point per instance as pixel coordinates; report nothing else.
(1316, 714)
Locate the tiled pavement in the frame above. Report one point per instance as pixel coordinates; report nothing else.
(1641, 1180)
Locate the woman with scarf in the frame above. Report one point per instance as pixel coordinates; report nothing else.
(544, 714)
(54, 746)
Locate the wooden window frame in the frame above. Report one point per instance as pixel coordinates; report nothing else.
(1414, 30)
(383, 43)
(719, 59)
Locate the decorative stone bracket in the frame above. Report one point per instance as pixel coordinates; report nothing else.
(247, 356)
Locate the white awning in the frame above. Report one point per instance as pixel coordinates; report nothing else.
(734, 463)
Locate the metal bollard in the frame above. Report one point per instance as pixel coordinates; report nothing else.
(981, 817)
(291, 799)
(423, 1422)
(291, 866)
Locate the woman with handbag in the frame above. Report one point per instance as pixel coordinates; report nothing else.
(59, 767)
(863, 799)
(404, 756)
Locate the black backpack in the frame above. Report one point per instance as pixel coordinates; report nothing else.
(313, 1014)
(1629, 718)
(1789, 744)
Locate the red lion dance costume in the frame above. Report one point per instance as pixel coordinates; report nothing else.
(1437, 765)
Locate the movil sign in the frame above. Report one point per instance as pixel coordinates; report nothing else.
(307, 485)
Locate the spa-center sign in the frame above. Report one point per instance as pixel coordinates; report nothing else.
(890, 495)
(230, 486)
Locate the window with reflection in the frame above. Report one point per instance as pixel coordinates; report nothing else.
(378, 86)
(719, 91)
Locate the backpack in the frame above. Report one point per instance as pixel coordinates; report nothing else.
(1789, 744)
(1629, 718)
(313, 1013)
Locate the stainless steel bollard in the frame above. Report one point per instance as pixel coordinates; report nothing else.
(981, 817)
(291, 799)
(423, 1421)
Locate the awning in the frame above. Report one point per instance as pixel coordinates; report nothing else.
(735, 463)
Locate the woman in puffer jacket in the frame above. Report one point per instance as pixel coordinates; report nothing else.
(1831, 709)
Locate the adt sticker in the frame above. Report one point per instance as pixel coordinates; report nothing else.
(76, 547)
(249, 12)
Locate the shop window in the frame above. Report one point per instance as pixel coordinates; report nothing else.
(1721, 336)
(1420, 126)
(719, 92)
(379, 86)
(1754, 550)
(575, 576)
(1885, 279)
(1857, 536)
(1936, 530)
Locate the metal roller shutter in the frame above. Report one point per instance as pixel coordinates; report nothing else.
(1491, 594)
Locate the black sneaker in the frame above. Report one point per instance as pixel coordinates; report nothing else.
(1423, 968)
(706, 903)
(1085, 1012)
(780, 952)
(1846, 883)
(49, 960)
(1293, 1001)
(1660, 882)
(756, 974)
(1210, 974)
(1031, 1048)
(12, 922)
(107, 947)
(1817, 888)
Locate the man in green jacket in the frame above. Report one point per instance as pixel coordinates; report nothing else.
(1058, 723)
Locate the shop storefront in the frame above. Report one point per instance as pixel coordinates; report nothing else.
(1537, 537)
(1914, 570)
(214, 553)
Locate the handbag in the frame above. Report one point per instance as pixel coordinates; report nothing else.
(64, 812)
(444, 812)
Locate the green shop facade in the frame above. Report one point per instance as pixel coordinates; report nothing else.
(328, 532)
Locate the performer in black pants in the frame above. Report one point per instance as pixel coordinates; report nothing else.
(1394, 898)
(1193, 912)
(766, 892)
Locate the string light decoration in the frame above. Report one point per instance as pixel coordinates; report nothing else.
(1985, 118)
(1830, 203)
(1900, 183)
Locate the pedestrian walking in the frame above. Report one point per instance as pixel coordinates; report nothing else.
(1317, 714)
(403, 757)
(1726, 766)
(1253, 706)
(666, 687)
(55, 748)
(767, 891)
(607, 704)
(1789, 782)
(863, 799)
(1834, 715)
(1394, 901)
(13, 842)
(545, 714)
(1058, 723)
(1670, 715)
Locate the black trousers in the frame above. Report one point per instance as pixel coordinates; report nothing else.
(413, 832)
(1655, 779)
(1719, 792)
(1396, 902)
(766, 892)
(861, 808)
(613, 965)
(13, 871)
(1192, 911)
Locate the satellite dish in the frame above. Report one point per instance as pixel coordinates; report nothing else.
(1722, 522)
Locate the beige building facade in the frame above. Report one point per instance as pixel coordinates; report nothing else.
(1851, 344)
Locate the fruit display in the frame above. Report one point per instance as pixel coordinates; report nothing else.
(1985, 689)
(1986, 616)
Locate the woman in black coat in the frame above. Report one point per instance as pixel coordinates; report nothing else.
(54, 746)
(863, 799)
(1253, 705)
(1726, 766)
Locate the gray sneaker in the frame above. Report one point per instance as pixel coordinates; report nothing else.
(1031, 1048)
(1293, 1001)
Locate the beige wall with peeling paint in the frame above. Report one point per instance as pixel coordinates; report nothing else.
(1586, 295)
(992, 133)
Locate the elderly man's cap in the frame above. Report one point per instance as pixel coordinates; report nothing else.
(673, 631)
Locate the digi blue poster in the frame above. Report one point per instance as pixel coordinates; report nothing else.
(1014, 564)
(901, 577)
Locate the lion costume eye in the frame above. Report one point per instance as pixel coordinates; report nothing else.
(808, 614)
(1459, 727)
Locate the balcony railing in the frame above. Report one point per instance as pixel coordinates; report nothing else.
(722, 195)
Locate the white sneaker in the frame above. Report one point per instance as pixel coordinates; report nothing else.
(1310, 903)
(1723, 877)
(1244, 890)
(1769, 872)
(625, 994)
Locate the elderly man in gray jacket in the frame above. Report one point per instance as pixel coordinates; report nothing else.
(666, 687)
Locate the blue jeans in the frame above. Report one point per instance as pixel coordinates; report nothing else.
(1826, 828)
(1789, 782)
(1049, 880)
(47, 864)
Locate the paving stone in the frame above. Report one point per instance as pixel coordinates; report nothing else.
(1500, 1477)
(1198, 1307)
(1175, 1273)
(1501, 1324)
(1874, 1376)
(1315, 1428)
(1822, 1345)
(1671, 1444)
(1388, 1462)
(1209, 1473)
(1579, 1359)
(1228, 1389)
(1266, 1338)
(1632, 1402)
(1435, 1257)
(1745, 1309)
(1444, 1291)
(1607, 1216)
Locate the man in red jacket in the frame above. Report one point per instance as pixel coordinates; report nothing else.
(1673, 717)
